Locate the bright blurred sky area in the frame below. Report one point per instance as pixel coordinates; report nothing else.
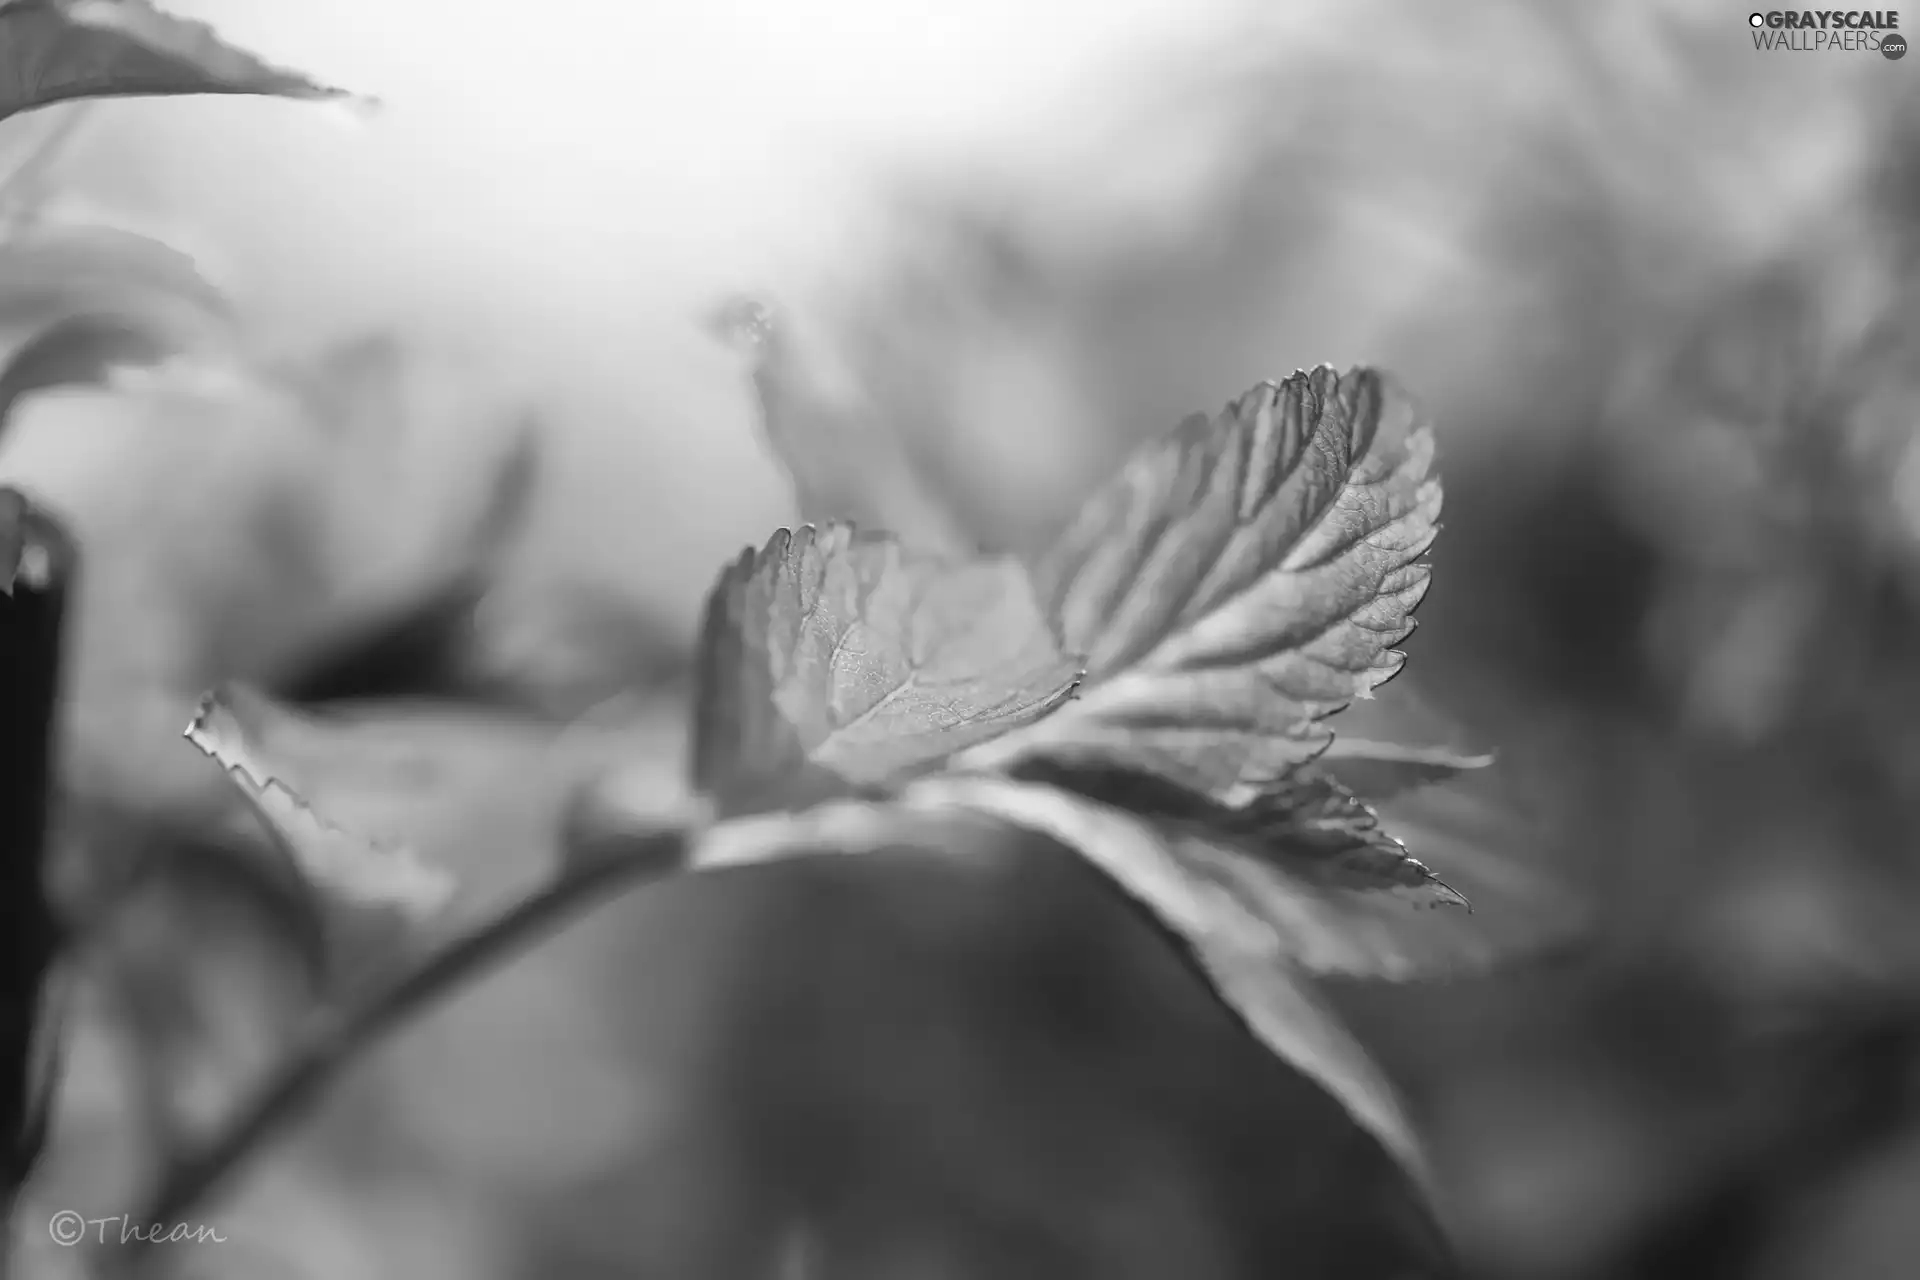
(561, 186)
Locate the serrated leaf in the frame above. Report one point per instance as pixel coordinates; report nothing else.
(1244, 958)
(837, 654)
(1240, 582)
(1252, 917)
(1231, 589)
(1316, 889)
(1307, 875)
(349, 872)
(58, 50)
(77, 301)
(235, 538)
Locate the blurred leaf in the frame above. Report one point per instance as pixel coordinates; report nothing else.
(205, 965)
(397, 420)
(422, 483)
(1231, 924)
(76, 301)
(559, 648)
(57, 50)
(1240, 582)
(357, 883)
(836, 653)
(845, 463)
(1382, 770)
(1305, 875)
(239, 540)
(431, 645)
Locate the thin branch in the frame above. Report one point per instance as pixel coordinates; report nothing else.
(590, 877)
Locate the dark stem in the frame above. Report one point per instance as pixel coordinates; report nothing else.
(37, 561)
(591, 876)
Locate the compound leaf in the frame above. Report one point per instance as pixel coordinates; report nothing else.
(835, 654)
(1240, 582)
(1233, 587)
(58, 50)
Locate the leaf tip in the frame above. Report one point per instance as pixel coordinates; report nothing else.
(329, 857)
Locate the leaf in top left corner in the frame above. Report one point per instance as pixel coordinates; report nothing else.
(834, 656)
(59, 50)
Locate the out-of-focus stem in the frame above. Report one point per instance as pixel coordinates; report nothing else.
(592, 875)
(37, 563)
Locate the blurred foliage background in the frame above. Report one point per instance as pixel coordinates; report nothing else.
(1661, 292)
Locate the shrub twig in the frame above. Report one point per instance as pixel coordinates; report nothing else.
(589, 877)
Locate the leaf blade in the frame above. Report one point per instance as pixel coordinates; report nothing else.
(1240, 582)
(1234, 948)
(59, 50)
(341, 866)
(1254, 964)
(1332, 897)
(77, 300)
(832, 653)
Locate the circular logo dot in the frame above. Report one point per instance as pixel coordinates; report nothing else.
(1756, 19)
(67, 1228)
(1893, 48)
